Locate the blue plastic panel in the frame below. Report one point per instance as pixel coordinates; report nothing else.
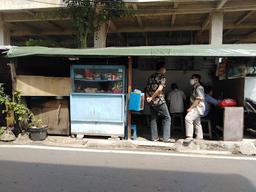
(103, 129)
(97, 108)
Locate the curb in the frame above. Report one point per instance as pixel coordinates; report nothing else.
(203, 147)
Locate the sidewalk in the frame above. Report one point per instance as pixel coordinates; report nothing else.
(245, 147)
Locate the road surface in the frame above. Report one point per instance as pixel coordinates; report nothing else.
(43, 169)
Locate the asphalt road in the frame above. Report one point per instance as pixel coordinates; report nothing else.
(54, 170)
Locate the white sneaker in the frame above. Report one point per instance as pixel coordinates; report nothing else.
(187, 141)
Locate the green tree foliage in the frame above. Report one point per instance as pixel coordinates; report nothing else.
(89, 15)
(39, 42)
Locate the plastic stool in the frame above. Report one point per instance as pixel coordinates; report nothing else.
(209, 127)
(181, 119)
(134, 132)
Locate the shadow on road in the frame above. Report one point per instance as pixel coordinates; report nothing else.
(36, 177)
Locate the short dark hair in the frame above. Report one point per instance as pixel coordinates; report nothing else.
(174, 86)
(160, 65)
(196, 76)
(207, 89)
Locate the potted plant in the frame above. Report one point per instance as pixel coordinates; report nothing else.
(23, 118)
(28, 122)
(38, 131)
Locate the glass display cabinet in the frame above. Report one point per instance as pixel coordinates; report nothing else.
(97, 100)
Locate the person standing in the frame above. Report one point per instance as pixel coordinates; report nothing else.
(155, 97)
(176, 99)
(195, 111)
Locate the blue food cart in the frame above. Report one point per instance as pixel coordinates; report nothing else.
(98, 100)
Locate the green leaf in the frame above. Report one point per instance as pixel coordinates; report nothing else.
(89, 15)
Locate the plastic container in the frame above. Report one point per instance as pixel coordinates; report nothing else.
(228, 103)
(136, 101)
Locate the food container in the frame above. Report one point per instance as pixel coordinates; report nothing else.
(119, 76)
(88, 74)
(78, 76)
(109, 76)
(96, 76)
(104, 76)
(113, 77)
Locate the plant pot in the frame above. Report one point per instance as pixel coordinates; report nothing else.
(38, 134)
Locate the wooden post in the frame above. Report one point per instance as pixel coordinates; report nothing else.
(12, 66)
(10, 117)
(129, 91)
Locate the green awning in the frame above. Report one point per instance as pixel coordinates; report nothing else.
(226, 50)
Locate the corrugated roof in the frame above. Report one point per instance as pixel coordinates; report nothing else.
(226, 50)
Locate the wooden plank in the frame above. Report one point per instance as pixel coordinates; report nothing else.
(53, 113)
(240, 21)
(244, 17)
(221, 4)
(43, 86)
(139, 20)
(129, 92)
(175, 6)
(138, 30)
(13, 77)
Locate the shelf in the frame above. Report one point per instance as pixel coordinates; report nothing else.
(98, 94)
(96, 81)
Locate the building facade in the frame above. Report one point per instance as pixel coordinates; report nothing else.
(155, 22)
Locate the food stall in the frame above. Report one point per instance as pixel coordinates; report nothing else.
(97, 101)
(237, 78)
(97, 106)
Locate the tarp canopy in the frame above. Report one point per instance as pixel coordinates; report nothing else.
(4, 48)
(226, 50)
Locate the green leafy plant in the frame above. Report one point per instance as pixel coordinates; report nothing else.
(40, 42)
(1, 130)
(22, 114)
(36, 123)
(89, 15)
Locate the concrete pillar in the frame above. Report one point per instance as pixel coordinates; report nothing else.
(216, 29)
(100, 37)
(5, 38)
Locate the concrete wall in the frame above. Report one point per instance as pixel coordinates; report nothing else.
(179, 77)
(179, 70)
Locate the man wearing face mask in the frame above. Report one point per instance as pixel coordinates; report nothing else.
(155, 97)
(197, 109)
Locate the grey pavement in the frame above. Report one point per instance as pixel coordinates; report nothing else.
(53, 170)
(245, 147)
